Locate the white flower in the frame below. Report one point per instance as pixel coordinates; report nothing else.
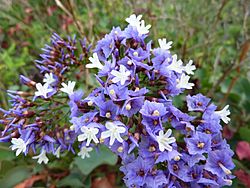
(85, 152)
(42, 158)
(69, 89)
(113, 132)
(189, 68)
(183, 82)
(164, 140)
(57, 153)
(89, 134)
(164, 44)
(224, 113)
(175, 65)
(133, 20)
(95, 63)
(142, 29)
(120, 76)
(19, 145)
(42, 90)
(48, 78)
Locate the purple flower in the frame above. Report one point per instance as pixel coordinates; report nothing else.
(108, 109)
(132, 106)
(197, 102)
(137, 171)
(198, 144)
(117, 93)
(153, 109)
(219, 163)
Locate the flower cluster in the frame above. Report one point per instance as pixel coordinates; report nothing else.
(132, 113)
(37, 121)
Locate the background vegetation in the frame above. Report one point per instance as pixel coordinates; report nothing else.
(214, 33)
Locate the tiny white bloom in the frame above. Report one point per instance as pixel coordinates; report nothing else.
(42, 90)
(164, 140)
(224, 113)
(48, 78)
(189, 68)
(175, 65)
(85, 152)
(183, 82)
(69, 89)
(113, 132)
(95, 63)
(142, 29)
(89, 134)
(19, 145)
(134, 20)
(120, 76)
(57, 153)
(164, 44)
(42, 158)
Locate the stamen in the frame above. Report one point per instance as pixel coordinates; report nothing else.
(156, 113)
(128, 107)
(108, 115)
(112, 92)
(90, 103)
(135, 54)
(129, 62)
(227, 171)
(200, 145)
(120, 149)
(177, 158)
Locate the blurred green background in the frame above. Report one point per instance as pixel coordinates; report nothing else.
(214, 33)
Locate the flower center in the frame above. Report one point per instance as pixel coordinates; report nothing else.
(200, 145)
(128, 107)
(90, 103)
(207, 131)
(156, 113)
(155, 122)
(151, 148)
(129, 62)
(120, 149)
(135, 54)
(108, 115)
(112, 92)
(141, 172)
(177, 158)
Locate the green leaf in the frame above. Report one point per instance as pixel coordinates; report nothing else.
(6, 153)
(15, 176)
(103, 156)
(244, 133)
(72, 180)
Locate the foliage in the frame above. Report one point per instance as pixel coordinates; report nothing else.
(215, 33)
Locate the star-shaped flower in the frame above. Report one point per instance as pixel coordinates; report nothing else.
(134, 20)
(189, 68)
(42, 90)
(142, 29)
(183, 82)
(19, 145)
(48, 78)
(164, 45)
(85, 152)
(42, 158)
(69, 89)
(175, 65)
(224, 113)
(89, 134)
(95, 63)
(113, 132)
(120, 76)
(164, 140)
